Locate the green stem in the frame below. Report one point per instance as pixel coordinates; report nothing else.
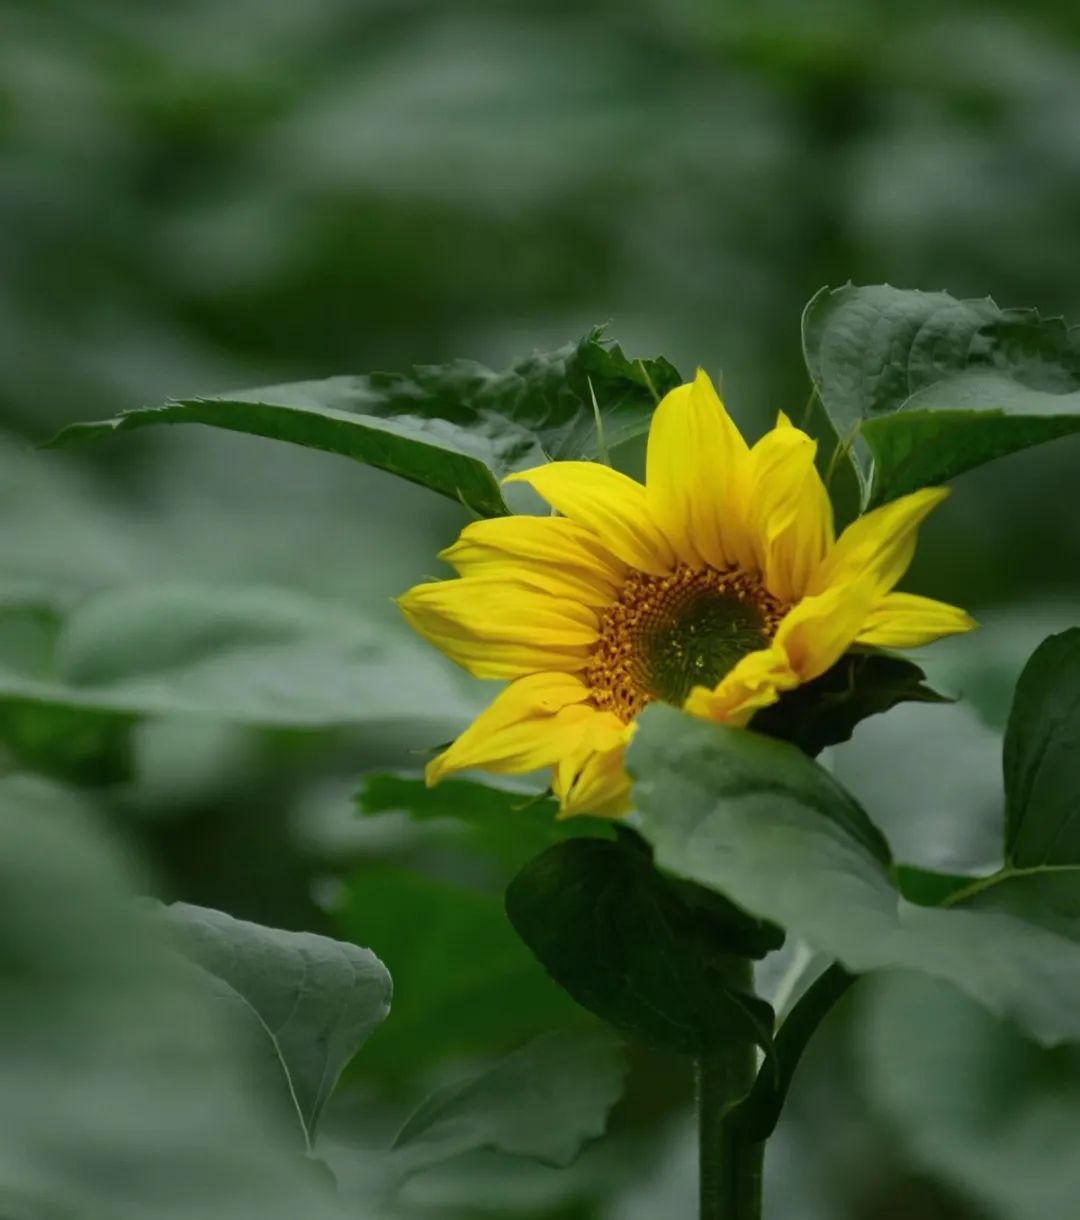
(730, 1160)
(731, 1164)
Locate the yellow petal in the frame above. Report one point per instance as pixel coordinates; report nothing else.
(694, 461)
(819, 630)
(591, 778)
(495, 629)
(756, 681)
(904, 620)
(551, 554)
(878, 546)
(788, 510)
(608, 503)
(521, 731)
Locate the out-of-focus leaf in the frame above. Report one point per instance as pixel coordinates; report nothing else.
(544, 1101)
(629, 946)
(463, 982)
(457, 428)
(253, 656)
(827, 710)
(762, 824)
(935, 386)
(124, 1093)
(307, 1001)
(1042, 758)
(970, 1099)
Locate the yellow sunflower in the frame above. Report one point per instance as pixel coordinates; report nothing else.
(716, 586)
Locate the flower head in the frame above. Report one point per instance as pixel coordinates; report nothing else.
(716, 586)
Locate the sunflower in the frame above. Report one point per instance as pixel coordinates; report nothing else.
(715, 587)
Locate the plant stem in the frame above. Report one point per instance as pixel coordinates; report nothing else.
(731, 1162)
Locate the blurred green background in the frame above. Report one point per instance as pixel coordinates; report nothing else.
(214, 194)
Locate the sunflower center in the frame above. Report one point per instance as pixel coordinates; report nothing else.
(667, 634)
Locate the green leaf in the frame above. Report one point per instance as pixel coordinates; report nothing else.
(826, 711)
(125, 1092)
(252, 656)
(969, 1098)
(468, 799)
(936, 386)
(637, 950)
(307, 1002)
(456, 428)
(760, 823)
(464, 984)
(545, 1101)
(508, 824)
(1042, 758)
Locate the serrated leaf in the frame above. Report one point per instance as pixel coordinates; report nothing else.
(545, 1101)
(934, 386)
(630, 947)
(456, 428)
(1042, 758)
(827, 710)
(759, 822)
(308, 1003)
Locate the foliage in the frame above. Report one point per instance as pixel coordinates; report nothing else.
(744, 839)
(457, 428)
(934, 386)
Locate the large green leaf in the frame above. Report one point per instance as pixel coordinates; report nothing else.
(457, 428)
(464, 984)
(1042, 758)
(123, 1090)
(544, 1101)
(969, 1098)
(649, 956)
(259, 657)
(760, 823)
(306, 1002)
(935, 386)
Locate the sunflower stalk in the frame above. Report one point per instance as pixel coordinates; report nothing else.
(731, 1163)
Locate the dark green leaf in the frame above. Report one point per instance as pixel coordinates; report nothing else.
(467, 799)
(759, 822)
(544, 1101)
(1042, 758)
(935, 386)
(508, 824)
(630, 947)
(929, 889)
(307, 1002)
(457, 428)
(463, 982)
(825, 712)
